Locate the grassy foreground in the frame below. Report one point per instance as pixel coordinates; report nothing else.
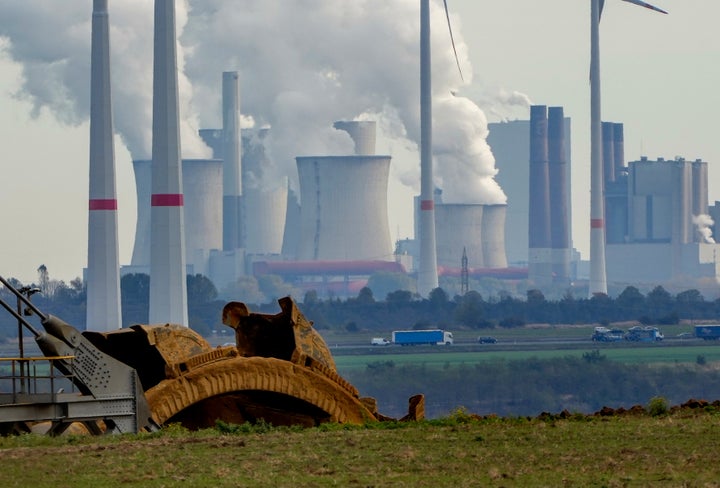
(675, 449)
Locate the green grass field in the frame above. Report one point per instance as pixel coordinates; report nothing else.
(431, 357)
(675, 450)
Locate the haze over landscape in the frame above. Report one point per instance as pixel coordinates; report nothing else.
(346, 59)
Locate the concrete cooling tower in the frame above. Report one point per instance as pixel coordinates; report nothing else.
(363, 134)
(202, 183)
(493, 236)
(344, 214)
(266, 210)
(478, 230)
(458, 227)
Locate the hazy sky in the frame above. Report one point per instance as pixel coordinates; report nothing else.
(659, 77)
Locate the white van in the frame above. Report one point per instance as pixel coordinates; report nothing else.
(379, 341)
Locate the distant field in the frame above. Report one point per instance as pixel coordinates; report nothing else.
(640, 354)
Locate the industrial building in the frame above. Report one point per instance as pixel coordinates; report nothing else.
(662, 233)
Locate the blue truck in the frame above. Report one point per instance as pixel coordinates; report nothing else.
(417, 337)
(707, 332)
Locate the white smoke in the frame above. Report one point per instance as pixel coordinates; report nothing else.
(53, 47)
(703, 224)
(303, 65)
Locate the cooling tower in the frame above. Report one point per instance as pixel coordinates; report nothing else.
(202, 182)
(559, 215)
(427, 268)
(232, 177)
(362, 134)
(103, 270)
(268, 209)
(344, 214)
(608, 151)
(539, 240)
(493, 236)
(459, 226)
(168, 288)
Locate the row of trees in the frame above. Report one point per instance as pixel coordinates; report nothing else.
(398, 309)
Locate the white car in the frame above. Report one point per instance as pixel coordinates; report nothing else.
(379, 341)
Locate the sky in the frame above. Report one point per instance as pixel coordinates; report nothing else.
(300, 72)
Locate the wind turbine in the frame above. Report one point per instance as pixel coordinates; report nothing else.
(427, 268)
(598, 277)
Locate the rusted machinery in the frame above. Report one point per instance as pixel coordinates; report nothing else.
(280, 371)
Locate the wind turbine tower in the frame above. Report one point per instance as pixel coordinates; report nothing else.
(168, 287)
(598, 277)
(103, 271)
(427, 269)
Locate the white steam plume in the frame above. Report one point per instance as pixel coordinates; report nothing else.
(53, 47)
(703, 223)
(303, 65)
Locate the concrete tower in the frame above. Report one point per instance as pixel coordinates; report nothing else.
(558, 197)
(343, 216)
(362, 133)
(168, 287)
(493, 236)
(459, 232)
(103, 272)
(427, 269)
(232, 149)
(539, 241)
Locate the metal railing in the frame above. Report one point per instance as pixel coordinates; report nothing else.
(27, 379)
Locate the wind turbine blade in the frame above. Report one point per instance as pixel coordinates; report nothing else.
(602, 4)
(646, 5)
(452, 39)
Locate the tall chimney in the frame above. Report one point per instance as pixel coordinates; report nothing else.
(619, 149)
(539, 240)
(168, 287)
(232, 149)
(362, 133)
(608, 152)
(557, 175)
(103, 271)
(427, 269)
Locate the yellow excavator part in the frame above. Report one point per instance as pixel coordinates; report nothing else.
(244, 389)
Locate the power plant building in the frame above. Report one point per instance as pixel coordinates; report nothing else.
(667, 239)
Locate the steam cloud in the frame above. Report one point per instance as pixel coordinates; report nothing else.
(703, 224)
(303, 65)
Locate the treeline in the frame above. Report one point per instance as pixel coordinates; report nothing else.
(528, 387)
(366, 312)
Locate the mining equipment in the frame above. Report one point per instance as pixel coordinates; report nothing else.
(146, 376)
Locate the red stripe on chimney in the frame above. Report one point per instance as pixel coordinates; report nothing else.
(427, 204)
(167, 200)
(103, 204)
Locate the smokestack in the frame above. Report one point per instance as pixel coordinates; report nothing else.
(700, 187)
(168, 287)
(427, 269)
(232, 177)
(539, 241)
(619, 149)
(557, 175)
(103, 272)
(608, 152)
(362, 134)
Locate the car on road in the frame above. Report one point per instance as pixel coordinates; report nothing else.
(379, 341)
(486, 340)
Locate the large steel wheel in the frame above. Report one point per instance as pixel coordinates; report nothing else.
(243, 389)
